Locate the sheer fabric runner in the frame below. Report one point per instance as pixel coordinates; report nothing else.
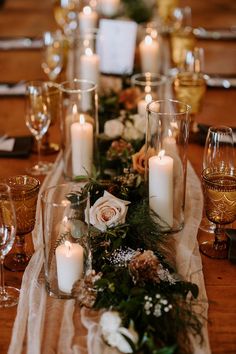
(45, 325)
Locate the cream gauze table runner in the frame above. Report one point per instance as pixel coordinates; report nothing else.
(47, 325)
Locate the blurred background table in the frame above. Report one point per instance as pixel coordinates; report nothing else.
(31, 18)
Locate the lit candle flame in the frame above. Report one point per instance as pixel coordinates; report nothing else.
(87, 10)
(161, 154)
(148, 98)
(82, 119)
(148, 40)
(68, 248)
(88, 52)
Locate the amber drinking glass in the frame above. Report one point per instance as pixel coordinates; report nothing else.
(24, 191)
(219, 185)
(8, 294)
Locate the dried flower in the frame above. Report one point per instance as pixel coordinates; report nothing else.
(84, 290)
(144, 267)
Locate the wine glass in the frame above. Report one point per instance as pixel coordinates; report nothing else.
(190, 88)
(24, 191)
(219, 186)
(38, 119)
(190, 83)
(66, 14)
(53, 54)
(8, 294)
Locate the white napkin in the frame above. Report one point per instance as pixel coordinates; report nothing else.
(19, 43)
(7, 144)
(11, 90)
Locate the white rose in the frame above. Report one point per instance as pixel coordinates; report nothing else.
(113, 128)
(108, 211)
(130, 132)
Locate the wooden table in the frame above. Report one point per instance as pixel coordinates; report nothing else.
(31, 18)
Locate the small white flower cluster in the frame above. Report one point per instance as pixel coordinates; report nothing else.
(132, 128)
(121, 257)
(156, 305)
(165, 275)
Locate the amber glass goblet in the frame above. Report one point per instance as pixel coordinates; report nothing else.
(219, 186)
(24, 191)
(8, 294)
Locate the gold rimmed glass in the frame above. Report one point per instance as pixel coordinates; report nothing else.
(219, 186)
(24, 191)
(8, 294)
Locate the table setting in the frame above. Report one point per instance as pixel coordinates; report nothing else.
(116, 257)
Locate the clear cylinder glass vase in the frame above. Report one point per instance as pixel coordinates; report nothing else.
(79, 127)
(166, 161)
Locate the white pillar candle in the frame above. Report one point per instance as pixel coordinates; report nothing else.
(81, 145)
(87, 20)
(89, 66)
(149, 55)
(70, 265)
(109, 7)
(161, 186)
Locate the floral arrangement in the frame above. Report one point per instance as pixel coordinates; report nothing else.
(122, 132)
(145, 305)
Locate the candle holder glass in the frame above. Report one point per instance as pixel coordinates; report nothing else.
(65, 220)
(150, 87)
(166, 161)
(79, 128)
(86, 61)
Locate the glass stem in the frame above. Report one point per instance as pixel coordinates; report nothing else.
(20, 247)
(220, 236)
(39, 150)
(2, 289)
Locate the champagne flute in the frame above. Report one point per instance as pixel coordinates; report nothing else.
(38, 119)
(8, 294)
(219, 185)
